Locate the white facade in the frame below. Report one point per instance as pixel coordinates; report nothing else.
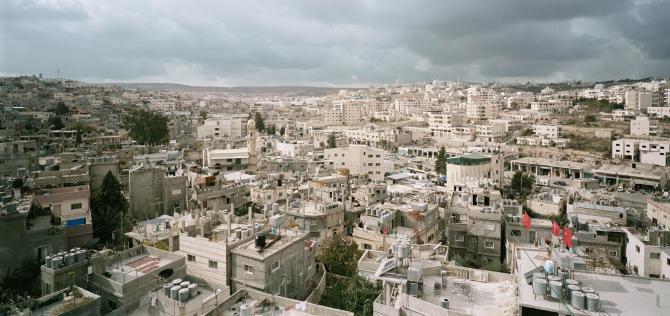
(655, 152)
(345, 113)
(637, 100)
(360, 160)
(659, 213)
(554, 105)
(643, 259)
(643, 126)
(547, 131)
(222, 126)
(659, 111)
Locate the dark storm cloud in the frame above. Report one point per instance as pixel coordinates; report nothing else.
(335, 42)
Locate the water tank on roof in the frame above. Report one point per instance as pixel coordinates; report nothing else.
(48, 260)
(166, 289)
(57, 262)
(174, 292)
(193, 289)
(245, 310)
(238, 233)
(81, 255)
(540, 287)
(577, 300)
(184, 284)
(592, 302)
(68, 259)
(183, 295)
(176, 281)
(570, 289)
(444, 303)
(556, 289)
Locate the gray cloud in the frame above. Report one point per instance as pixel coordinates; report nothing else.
(337, 42)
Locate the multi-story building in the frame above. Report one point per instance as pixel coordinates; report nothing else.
(643, 252)
(659, 111)
(384, 224)
(281, 264)
(551, 106)
(637, 100)
(17, 155)
(155, 191)
(547, 131)
(360, 160)
(223, 126)
(471, 168)
(474, 224)
(643, 126)
(345, 113)
(654, 152)
(658, 211)
(71, 205)
(376, 136)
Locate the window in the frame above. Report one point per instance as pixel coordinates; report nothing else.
(249, 269)
(368, 246)
(637, 248)
(516, 232)
(190, 258)
(75, 206)
(489, 244)
(213, 264)
(655, 255)
(275, 266)
(460, 237)
(612, 253)
(667, 261)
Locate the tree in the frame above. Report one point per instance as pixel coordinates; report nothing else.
(271, 130)
(260, 123)
(282, 131)
(338, 255)
(78, 138)
(441, 162)
(55, 123)
(332, 141)
(522, 184)
(589, 118)
(61, 109)
(355, 294)
(109, 208)
(146, 127)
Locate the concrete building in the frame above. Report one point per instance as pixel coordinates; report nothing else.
(425, 284)
(474, 224)
(616, 294)
(659, 111)
(75, 301)
(16, 156)
(637, 100)
(384, 224)
(154, 191)
(658, 211)
(542, 167)
(260, 303)
(378, 137)
(26, 236)
(223, 126)
(637, 176)
(360, 160)
(643, 252)
(598, 214)
(281, 265)
(643, 126)
(653, 152)
(71, 205)
(547, 131)
(472, 168)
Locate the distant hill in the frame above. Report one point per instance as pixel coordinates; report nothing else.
(277, 90)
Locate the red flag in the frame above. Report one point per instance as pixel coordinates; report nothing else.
(386, 229)
(526, 221)
(567, 237)
(555, 229)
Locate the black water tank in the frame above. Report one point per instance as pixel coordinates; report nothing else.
(260, 240)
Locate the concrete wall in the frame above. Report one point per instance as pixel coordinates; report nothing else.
(203, 251)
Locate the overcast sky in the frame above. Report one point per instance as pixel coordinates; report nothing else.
(340, 43)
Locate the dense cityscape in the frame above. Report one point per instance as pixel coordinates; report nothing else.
(330, 193)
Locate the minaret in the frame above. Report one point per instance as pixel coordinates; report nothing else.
(251, 145)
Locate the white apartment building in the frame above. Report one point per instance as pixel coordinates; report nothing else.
(643, 126)
(658, 211)
(637, 100)
(162, 105)
(372, 135)
(653, 152)
(553, 106)
(482, 111)
(659, 111)
(440, 120)
(547, 131)
(666, 93)
(491, 131)
(345, 113)
(226, 125)
(643, 253)
(360, 160)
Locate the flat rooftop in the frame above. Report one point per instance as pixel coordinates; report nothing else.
(619, 295)
(287, 238)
